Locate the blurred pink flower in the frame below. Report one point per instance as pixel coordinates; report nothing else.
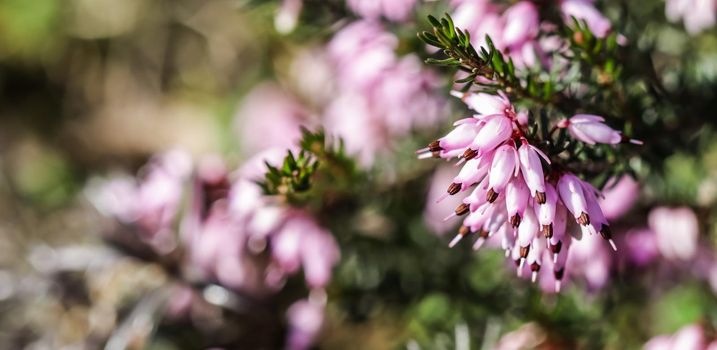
(641, 246)
(287, 15)
(585, 10)
(528, 336)
(231, 223)
(269, 117)
(379, 96)
(437, 205)
(151, 204)
(393, 10)
(690, 337)
(306, 318)
(619, 197)
(697, 15)
(676, 231)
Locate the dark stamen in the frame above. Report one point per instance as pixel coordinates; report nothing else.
(491, 196)
(454, 188)
(548, 231)
(462, 209)
(583, 219)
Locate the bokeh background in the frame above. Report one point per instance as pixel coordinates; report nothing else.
(93, 89)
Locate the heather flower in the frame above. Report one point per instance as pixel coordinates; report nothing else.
(393, 10)
(152, 204)
(585, 10)
(305, 318)
(288, 15)
(591, 130)
(514, 199)
(528, 336)
(619, 197)
(269, 117)
(688, 337)
(697, 15)
(676, 231)
(641, 247)
(379, 95)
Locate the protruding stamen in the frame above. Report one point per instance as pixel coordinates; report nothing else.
(535, 267)
(455, 240)
(515, 220)
(454, 188)
(442, 197)
(469, 154)
(464, 230)
(435, 146)
(479, 243)
(450, 217)
(558, 284)
(491, 196)
(524, 252)
(555, 248)
(583, 219)
(540, 197)
(521, 264)
(612, 244)
(462, 209)
(429, 155)
(548, 231)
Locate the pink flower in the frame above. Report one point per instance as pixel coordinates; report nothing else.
(288, 15)
(379, 96)
(151, 204)
(641, 246)
(532, 169)
(269, 117)
(512, 201)
(676, 230)
(521, 24)
(619, 197)
(584, 10)
(306, 318)
(698, 15)
(394, 10)
(571, 193)
(591, 130)
(528, 336)
(688, 337)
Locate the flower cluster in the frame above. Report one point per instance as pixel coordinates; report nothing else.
(517, 193)
(515, 30)
(374, 96)
(231, 233)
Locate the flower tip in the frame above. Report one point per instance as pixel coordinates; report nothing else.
(636, 142)
(425, 155)
(479, 243)
(455, 240)
(534, 277)
(612, 244)
(558, 284)
(442, 197)
(449, 217)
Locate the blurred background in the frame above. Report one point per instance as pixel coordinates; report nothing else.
(96, 90)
